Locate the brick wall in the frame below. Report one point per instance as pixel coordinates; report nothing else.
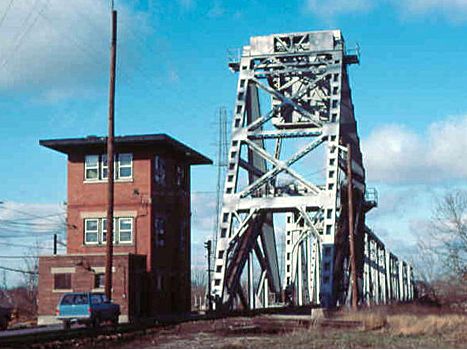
(127, 281)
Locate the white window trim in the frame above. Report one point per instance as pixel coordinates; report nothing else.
(120, 241)
(116, 231)
(100, 169)
(87, 167)
(119, 166)
(86, 242)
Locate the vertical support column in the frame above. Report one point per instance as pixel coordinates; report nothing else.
(251, 287)
(266, 293)
(309, 267)
(366, 270)
(331, 212)
(411, 287)
(401, 281)
(299, 275)
(388, 276)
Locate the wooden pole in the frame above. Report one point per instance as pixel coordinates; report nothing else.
(110, 161)
(353, 265)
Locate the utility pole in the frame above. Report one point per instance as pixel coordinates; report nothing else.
(207, 245)
(353, 265)
(55, 244)
(110, 160)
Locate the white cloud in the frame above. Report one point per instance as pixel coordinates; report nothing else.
(31, 220)
(333, 8)
(60, 48)
(453, 10)
(396, 154)
(204, 215)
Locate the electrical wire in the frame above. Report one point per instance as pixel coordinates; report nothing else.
(18, 245)
(18, 270)
(32, 216)
(6, 12)
(25, 33)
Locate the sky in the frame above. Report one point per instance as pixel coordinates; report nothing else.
(172, 77)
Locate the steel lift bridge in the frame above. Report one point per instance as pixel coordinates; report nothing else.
(294, 113)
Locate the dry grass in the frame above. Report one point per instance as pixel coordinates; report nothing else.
(428, 324)
(413, 322)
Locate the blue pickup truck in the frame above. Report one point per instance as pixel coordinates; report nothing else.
(86, 308)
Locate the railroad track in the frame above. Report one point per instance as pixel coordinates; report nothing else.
(43, 338)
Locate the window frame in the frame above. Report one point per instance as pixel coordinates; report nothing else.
(102, 232)
(103, 168)
(114, 233)
(86, 232)
(159, 233)
(120, 220)
(120, 166)
(87, 167)
(180, 174)
(160, 170)
(67, 279)
(97, 280)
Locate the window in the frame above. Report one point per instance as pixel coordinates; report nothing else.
(104, 167)
(125, 166)
(159, 230)
(99, 280)
(62, 281)
(103, 237)
(159, 170)
(96, 167)
(180, 176)
(91, 167)
(91, 231)
(95, 231)
(81, 299)
(125, 228)
(67, 299)
(96, 298)
(160, 282)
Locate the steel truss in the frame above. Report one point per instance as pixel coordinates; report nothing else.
(304, 76)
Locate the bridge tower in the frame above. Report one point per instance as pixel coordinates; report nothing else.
(293, 113)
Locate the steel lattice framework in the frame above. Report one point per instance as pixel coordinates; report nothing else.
(301, 80)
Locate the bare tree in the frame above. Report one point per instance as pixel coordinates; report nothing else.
(448, 232)
(30, 278)
(442, 262)
(198, 288)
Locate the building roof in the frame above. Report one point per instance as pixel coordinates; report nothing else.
(74, 145)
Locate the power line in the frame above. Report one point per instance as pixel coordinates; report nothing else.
(19, 256)
(25, 33)
(18, 270)
(18, 245)
(6, 12)
(32, 216)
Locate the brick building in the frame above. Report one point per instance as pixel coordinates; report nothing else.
(151, 266)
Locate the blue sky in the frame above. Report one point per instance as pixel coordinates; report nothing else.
(409, 91)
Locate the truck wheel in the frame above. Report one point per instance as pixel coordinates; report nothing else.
(96, 322)
(66, 325)
(115, 321)
(3, 324)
